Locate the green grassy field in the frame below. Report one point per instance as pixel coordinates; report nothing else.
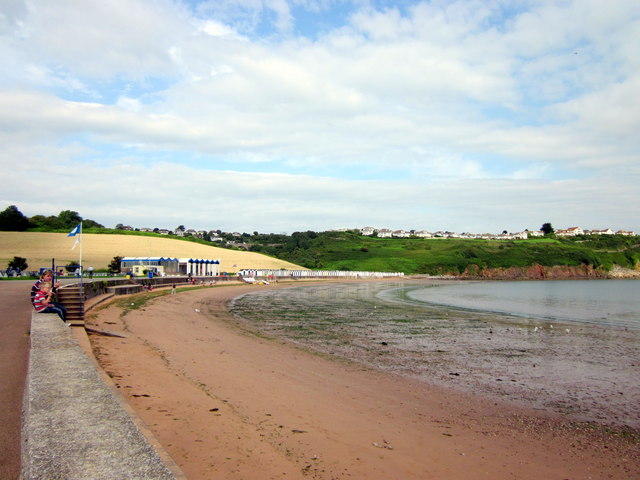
(350, 251)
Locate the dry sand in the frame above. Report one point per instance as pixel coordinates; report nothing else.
(228, 403)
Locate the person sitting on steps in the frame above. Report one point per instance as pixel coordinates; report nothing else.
(47, 277)
(43, 304)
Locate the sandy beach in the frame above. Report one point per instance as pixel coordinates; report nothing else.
(226, 402)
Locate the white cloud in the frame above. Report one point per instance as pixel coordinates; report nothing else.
(449, 109)
(215, 29)
(164, 194)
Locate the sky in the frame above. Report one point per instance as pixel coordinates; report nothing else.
(279, 116)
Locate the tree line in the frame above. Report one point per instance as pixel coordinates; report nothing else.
(13, 220)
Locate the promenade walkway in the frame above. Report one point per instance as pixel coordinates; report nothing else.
(75, 425)
(60, 416)
(15, 323)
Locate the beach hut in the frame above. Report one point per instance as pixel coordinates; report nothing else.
(199, 267)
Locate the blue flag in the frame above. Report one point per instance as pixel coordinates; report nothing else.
(75, 230)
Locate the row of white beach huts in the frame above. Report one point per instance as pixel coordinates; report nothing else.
(199, 267)
(282, 273)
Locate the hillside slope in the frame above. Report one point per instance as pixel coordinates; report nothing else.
(98, 250)
(586, 256)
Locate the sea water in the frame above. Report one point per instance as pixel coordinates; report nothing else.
(613, 303)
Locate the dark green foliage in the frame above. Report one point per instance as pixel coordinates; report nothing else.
(114, 266)
(68, 219)
(547, 229)
(18, 263)
(12, 220)
(64, 221)
(88, 223)
(72, 266)
(45, 224)
(352, 251)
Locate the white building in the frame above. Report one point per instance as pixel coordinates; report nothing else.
(606, 231)
(570, 232)
(170, 266)
(199, 267)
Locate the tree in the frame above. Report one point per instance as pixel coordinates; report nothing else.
(45, 223)
(181, 228)
(119, 226)
(72, 266)
(69, 219)
(18, 263)
(12, 219)
(88, 223)
(547, 229)
(114, 266)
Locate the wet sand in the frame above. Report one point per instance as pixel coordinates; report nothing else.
(226, 402)
(585, 372)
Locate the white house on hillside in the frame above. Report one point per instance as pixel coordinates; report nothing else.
(570, 232)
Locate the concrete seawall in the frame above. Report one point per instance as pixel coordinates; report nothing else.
(74, 425)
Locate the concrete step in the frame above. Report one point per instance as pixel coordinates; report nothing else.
(124, 289)
(73, 300)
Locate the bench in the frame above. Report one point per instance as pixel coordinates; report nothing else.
(125, 289)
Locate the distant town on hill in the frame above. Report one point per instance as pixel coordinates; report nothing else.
(220, 236)
(11, 219)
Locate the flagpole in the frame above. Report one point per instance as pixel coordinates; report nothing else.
(81, 269)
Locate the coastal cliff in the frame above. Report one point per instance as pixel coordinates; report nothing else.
(556, 272)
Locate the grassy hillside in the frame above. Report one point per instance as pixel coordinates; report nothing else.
(351, 251)
(98, 250)
(334, 251)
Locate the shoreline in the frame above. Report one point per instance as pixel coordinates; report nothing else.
(226, 402)
(585, 375)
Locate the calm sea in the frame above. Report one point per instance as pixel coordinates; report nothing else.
(603, 302)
